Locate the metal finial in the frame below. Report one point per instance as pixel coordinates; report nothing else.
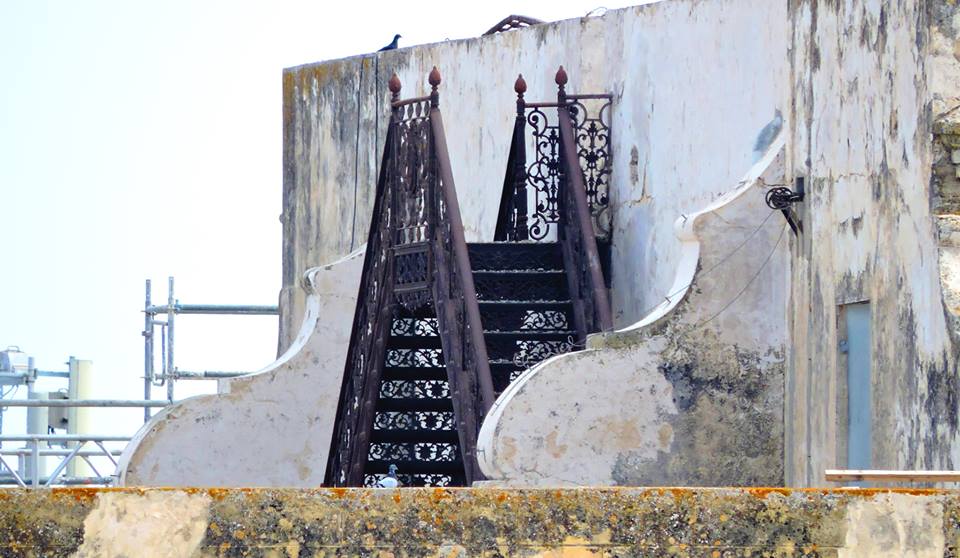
(520, 86)
(561, 78)
(434, 79)
(394, 85)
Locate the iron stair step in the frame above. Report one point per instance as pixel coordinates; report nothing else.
(530, 286)
(413, 404)
(529, 335)
(413, 342)
(454, 467)
(529, 347)
(394, 436)
(498, 315)
(414, 373)
(500, 255)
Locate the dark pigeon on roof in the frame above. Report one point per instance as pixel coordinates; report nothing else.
(391, 46)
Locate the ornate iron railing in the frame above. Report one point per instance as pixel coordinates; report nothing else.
(416, 256)
(564, 191)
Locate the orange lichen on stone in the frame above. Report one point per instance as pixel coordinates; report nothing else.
(763, 492)
(439, 494)
(83, 495)
(218, 493)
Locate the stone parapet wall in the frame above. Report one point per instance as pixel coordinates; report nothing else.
(479, 522)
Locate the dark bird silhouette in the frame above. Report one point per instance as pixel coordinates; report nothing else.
(391, 46)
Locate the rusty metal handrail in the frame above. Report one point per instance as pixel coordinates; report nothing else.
(462, 258)
(416, 258)
(458, 311)
(350, 437)
(561, 197)
(577, 193)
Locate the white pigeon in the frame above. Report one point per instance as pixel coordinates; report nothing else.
(389, 481)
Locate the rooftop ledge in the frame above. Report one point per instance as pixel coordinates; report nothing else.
(479, 521)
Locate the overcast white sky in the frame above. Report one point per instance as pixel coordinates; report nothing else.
(143, 139)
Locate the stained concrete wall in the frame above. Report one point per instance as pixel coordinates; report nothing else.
(694, 83)
(474, 523)
(270, 428)
(691, 395)
(870, 78)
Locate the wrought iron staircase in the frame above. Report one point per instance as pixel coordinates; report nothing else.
(442, 327)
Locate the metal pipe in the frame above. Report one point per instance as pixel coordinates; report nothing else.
(58, 452)
(208, 375)
(241, 309)
(171, 371)
(63, 481)
(16, 476)
(51, 374)
(35, 463)
(147, 352)
(62, 438)
(85, 403)
(63, 464)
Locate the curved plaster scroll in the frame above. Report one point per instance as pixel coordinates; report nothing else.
(692, 394)
(269, 428)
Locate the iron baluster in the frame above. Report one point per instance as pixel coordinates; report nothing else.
(416, 263)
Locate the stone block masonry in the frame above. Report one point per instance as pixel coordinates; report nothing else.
(479, 522)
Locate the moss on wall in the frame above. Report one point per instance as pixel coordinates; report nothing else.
(491, 522)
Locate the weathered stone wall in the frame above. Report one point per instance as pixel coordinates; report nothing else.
(270, 428)
(694, 83)
(690, 396)
(474, 523)
(867, 78)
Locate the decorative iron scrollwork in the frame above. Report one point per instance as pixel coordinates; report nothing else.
(537, 185)
(416, 282)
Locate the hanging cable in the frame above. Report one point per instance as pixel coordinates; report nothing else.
(750, 282)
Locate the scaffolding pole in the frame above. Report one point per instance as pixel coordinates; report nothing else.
(169, 372)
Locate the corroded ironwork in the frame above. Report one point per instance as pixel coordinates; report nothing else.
(563, 193)
(530, 206)
(416, 286)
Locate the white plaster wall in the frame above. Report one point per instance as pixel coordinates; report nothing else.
(690, 395)
(694, 83)
(270, 428)
(868, 76)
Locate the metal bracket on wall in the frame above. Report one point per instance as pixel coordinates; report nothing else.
(782, 198)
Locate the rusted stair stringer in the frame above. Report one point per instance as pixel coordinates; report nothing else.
(458, 312)
(416, 222)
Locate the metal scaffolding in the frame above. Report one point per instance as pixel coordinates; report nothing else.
(169, 372)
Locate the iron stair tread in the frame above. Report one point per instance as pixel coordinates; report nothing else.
(531, 334)
(518, 271)
(453, 467)
(525, 304)
(414, 404)
(496, 255)
(413, 342)
(414, 373)
(404, 436)
(509, 243)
